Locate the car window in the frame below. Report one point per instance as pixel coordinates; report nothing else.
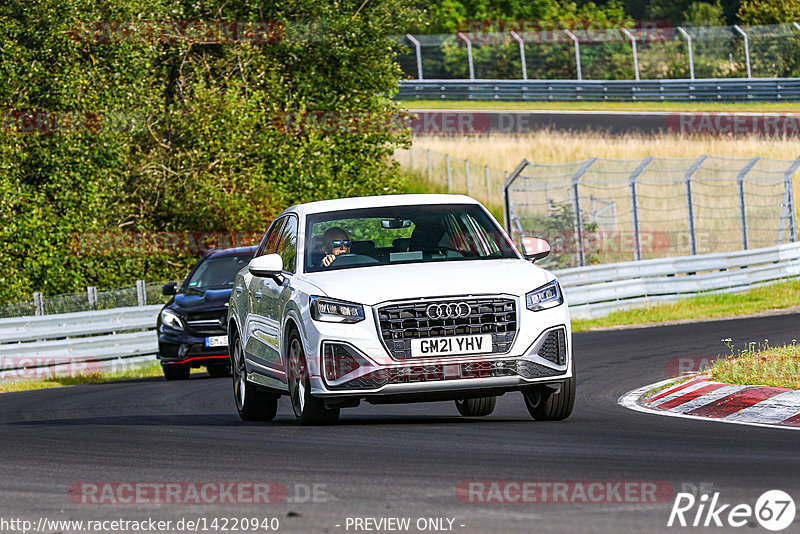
(405, 234)
(288, 244)
(269, 244)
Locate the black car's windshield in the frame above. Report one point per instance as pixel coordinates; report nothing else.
(402, 234)
(217, 272)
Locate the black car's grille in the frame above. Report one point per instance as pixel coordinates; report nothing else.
(400, 323)
(439, 371)
(554, 348)
(210, 323)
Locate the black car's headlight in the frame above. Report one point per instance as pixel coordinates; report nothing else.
(545, 297)
(172, 320)
(336, 311)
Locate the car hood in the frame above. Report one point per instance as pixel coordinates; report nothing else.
(211, 299)
(373, 285)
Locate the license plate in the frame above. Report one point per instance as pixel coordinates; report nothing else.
(451, 346)
(217, 341)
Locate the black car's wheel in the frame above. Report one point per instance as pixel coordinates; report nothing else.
(252, 404)
(218, 371)
(175, 372)
(546, 405)
(309, 410)
(476, 407)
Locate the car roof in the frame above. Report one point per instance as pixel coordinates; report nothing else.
(321, 206)
(216, 253)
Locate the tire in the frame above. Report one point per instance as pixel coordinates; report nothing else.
(251, 403)
(218, 371)
(175, 372)
(309, 410)
(545, 405)
(477, 407)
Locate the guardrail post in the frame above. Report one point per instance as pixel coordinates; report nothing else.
(419, 54)
(740, 186)
(689, 204)
(466, 173)
(430, 167)
(691, 55)
(141, 293)
(510, 179)
(91, 294)
(521, 54)
(787, 213)
(746, 49)
(449, 173)
(38, 304)
(469, 54)
(577, 52)
(576, 199)
(637, 249)
(635, 53)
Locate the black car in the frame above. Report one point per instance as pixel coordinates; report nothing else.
(192, 330)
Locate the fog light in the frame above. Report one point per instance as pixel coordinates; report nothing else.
(340, 360)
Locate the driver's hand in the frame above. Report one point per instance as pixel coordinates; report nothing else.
(327, 260)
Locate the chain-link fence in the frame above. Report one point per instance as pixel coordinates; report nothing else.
(603, 210)
(455, 175)
(140, 294)
(610, 54)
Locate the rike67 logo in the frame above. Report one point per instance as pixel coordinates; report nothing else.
(774, 510)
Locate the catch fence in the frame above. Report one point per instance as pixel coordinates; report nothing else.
(604, 210)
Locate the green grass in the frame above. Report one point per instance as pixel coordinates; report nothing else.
(492, 105)
(760, 365)
(780, 295)
(148, 370)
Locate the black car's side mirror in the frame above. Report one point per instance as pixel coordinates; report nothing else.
(170, 289)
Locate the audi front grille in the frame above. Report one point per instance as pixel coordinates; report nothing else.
(400, 323)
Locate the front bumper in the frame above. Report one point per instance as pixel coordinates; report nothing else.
(189, 350)
(540, 354)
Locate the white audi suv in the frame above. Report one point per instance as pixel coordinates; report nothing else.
(395, 299)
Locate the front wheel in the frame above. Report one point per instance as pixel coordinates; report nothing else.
(309, 410)
(545, 405)
(477, 407)
(252, 404)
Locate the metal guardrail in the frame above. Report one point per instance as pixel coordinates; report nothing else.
(598, 290)
(53, 342)
(701, 90)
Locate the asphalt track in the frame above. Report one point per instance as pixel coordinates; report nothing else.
(403, 460)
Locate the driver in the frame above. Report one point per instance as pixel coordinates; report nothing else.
(335, 241)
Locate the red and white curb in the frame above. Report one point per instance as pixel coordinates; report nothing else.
(701, 398)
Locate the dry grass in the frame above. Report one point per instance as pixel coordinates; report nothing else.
(506, 151)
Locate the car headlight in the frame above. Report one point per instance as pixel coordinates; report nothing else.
(171, 319)
(336, 311)
(545, 297)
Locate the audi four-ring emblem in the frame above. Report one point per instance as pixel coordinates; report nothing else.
(450, 310)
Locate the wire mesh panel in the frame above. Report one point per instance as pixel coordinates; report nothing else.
(601, 210)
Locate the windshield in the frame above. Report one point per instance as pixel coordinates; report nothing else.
(217, 272)
(402, 234)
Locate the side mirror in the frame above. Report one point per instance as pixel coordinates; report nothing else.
(534, 248)
(268, 266)
(170, 289)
